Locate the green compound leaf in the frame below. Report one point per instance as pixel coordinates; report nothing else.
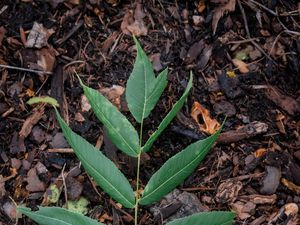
(119, 129)
(43, 99)
(57, 216)
(143, 88)
(206, 218)
(176, 169)
(169, 117)
(97, 165)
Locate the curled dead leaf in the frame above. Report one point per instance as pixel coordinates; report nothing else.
(290, 185)
(260, 152)
(244, 210)
(219, 12)
(210, 125)
(133, 23)
(242, 66)
(113, 94)
(38, 36)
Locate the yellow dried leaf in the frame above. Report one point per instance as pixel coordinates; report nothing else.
(243, 67)
(201, 6)
(30, 93)
(260, 152)
(231, 74)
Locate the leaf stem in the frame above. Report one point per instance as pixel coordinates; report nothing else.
(137, 190)
(137, 193)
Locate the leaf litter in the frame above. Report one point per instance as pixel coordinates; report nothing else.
(262, 114)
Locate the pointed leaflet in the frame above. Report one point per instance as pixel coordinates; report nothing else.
(176, 169)
(169, 117)
(57, 216)
(104, 171)
(120, 130)
(204, 218)
(143, 88)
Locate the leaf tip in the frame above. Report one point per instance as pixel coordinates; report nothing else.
(43, 99)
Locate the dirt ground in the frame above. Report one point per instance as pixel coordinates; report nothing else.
(245, 59)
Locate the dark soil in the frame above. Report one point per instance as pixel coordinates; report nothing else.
(88, 39)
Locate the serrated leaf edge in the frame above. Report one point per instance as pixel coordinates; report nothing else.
(112, 127)
(174, 175)
(186, 217)
(21, 209)
(91, 167)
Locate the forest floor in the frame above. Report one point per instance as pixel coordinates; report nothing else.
(245, 57)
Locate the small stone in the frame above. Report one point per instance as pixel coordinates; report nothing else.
(59, 141)
(271, 180)
(16, 163)
(198, 20)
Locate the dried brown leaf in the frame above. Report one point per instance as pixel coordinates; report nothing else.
(38, 36)
(46, 59)
(133, 23)
(287, 103)
(244, 210)
(113, 94)
(219, 12)
(34, 182)
(155, 59)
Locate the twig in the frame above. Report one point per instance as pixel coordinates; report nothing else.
(263, 7)
(65, 185)
(61, 150)
(73, 30)
(74, 62)
(3, 9)
(93, 185)
(248, 33)
(286, 29)
(199, 188)
(24, 69)
(9, 111)
(243, 41)
(248, 176)
(121, 210)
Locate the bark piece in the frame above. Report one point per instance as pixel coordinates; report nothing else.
(247, 131)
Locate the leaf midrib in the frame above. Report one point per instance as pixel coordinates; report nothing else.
(47, 217)
(109, 183)
(230, 220)
(112, 127)
(159, 187)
